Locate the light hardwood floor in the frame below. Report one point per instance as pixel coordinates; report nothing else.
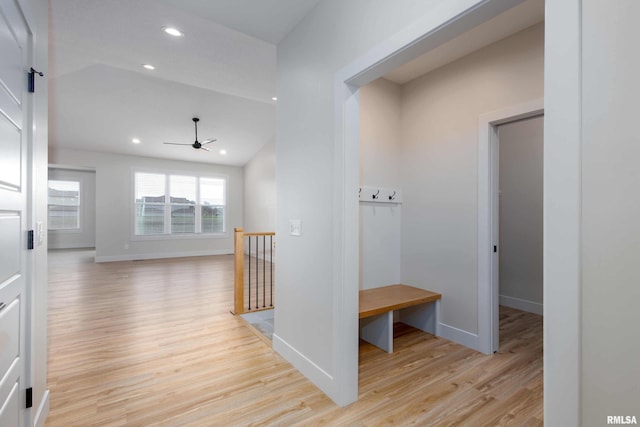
(152, 343)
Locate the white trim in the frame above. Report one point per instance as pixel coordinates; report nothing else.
(562, 214)
(446, 21)
(313, 372)
(459, 336)
(487, 220)
(521, 304)
(136, 257)
(43, 410)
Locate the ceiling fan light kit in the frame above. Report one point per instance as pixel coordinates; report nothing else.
(196, 144)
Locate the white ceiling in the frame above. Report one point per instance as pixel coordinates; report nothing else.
(223, 70)
(101, 97)
(526, 14)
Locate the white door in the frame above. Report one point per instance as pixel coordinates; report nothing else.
(15, 49)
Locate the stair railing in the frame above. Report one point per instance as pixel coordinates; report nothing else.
(253, 256)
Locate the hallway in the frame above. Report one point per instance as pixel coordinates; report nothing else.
(143, 343)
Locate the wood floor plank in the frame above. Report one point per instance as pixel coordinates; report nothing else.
(152, 343)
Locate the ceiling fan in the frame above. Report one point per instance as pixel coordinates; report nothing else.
(197, 144)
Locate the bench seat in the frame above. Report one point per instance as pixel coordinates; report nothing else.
(416, 307)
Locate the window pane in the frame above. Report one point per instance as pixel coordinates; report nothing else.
(150, 198)
(212, 219)
(64, 217)
(212, 191)
(64, 205)
(183, 189)
(150, 187)
(149, 219)
(183, 219)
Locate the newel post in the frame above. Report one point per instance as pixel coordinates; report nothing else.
(239, 271)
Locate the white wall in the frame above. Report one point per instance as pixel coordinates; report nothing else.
(380, 223)
(521, 202)
(440, 167)
(114, 206)
(86, 236)
(330, 38)
(610, 211)
(260, 190)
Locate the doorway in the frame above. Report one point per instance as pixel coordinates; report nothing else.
(520, 224)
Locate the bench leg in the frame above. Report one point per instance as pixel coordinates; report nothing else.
(425, 317)
(378, 330)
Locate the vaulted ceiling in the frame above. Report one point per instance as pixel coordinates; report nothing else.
(222, 70)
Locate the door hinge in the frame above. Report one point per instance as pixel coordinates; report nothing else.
(30, 239)
(32, 79)
(29, 400)
(495, 248)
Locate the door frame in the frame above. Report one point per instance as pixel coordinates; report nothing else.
(488, 218)
(446, 22)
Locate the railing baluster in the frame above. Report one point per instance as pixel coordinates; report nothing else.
(240, 259)
(257, 272)
(249, 274)
(271, 270)
(264, 261)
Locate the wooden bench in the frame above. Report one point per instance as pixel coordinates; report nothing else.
(416, 307)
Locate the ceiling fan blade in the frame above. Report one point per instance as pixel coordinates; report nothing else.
(174, 143)
(208, 141)
(204, 148)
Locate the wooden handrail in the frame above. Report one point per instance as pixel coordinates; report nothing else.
(262, 233)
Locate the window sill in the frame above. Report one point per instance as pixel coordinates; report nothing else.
(185, 236)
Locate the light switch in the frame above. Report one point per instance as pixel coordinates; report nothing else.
(294, 227)
(39, 233)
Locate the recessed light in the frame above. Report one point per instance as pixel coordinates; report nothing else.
(223, 152)
(135, 141)
(149, 66)
(275, 98)
(173, 31)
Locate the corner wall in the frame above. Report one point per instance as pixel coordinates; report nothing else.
(260, 190)
(380, 223)
(313, 303)
(114, 206)
(610, 244)
(521, 203)
(439, 158)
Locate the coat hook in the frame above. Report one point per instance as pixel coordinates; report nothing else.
(393, 196)
(375, 196)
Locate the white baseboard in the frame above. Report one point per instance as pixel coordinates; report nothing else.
(135, 257)
(70, 246)
(43, 411)
(459, 336)
(322, 379)
(521, 304)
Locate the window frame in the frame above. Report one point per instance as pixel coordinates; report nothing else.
(78, 229)
(166, 234)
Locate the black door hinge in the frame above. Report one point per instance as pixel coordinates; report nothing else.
(495, 248)
(30, 239)
(32, 79)
(29, 402)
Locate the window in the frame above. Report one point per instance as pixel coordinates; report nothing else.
(64, 205)
(178, 204)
